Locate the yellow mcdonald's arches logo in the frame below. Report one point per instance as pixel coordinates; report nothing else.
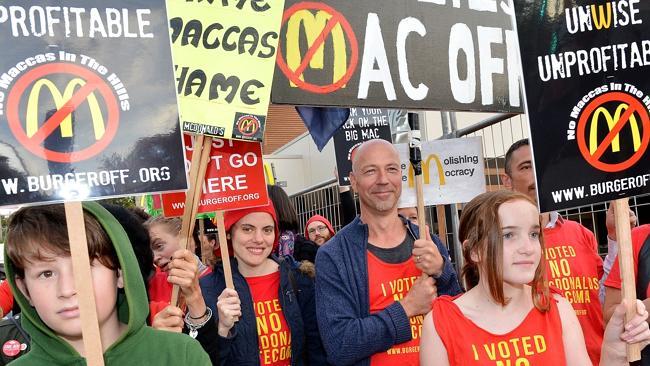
(427, 172)
(611, 122)
(313, 26)
(59, 100)
(268, 174)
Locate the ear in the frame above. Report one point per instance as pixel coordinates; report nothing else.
(22, 286)
(120, 278)
(473, 254)
(506, 180)
(353, 182)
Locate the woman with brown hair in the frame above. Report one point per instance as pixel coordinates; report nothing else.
(508, 316)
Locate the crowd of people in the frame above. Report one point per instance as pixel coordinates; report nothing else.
(533, 289)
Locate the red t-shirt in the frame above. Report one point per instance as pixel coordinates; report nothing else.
(273, 333)
(574, 269)
(640, 236)
(6, 298)
(536, 341)
(389, 283)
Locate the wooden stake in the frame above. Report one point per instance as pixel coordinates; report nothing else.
(626, 263)
(92, 340)
(204, 256)
(442, 223)
(198, 167)
(223, 245)
(419, 194)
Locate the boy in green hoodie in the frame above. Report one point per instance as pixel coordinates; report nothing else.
(39, 269)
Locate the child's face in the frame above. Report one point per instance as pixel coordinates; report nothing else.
(253, 237)
(50, 288)
(163, 245)
(521, 247)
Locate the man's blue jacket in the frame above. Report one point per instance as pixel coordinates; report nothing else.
(349, 332)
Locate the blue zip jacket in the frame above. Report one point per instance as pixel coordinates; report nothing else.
(350, 333)
(242, 346)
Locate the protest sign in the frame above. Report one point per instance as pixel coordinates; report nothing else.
(398, 54)
(234, 179)
(78, 122)
(224, 54)
(587, 77)
(453, 172)
(364, 124)
(82, 123)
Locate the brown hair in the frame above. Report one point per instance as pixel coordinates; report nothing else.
(37, 233)
(480, 232)
(171, 224)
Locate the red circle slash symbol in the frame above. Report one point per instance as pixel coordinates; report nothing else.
(35, 142)
(634, 108)
(336, 19)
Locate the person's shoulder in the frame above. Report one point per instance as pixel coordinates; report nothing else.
(641, 232)
(570, 225)
(172, 343)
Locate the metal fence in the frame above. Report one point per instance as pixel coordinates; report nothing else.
(497, 134)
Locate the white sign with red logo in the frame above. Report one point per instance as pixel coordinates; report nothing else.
(234, 178)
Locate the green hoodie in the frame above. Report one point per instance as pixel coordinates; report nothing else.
(139, 345)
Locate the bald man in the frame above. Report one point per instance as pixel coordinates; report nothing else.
(375, 278)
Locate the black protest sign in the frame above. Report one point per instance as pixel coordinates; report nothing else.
(587, 76)
(87, 101)
(364, 124)
(398, 54)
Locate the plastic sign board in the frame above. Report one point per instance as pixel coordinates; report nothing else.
(364, 124)
(587, 76)
(453, 172)
(224, 55)
(77, 122)
(404, 54)
(234, 178)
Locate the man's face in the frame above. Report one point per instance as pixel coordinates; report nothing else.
(377, 178)
(521, 177)
(318, 232)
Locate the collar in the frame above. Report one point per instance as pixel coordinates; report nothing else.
(554, 220)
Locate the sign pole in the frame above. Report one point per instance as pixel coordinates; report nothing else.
(626, 263)
(198, 166)
(83, 283)
(442, 223)
(415, 156)
(223, 246)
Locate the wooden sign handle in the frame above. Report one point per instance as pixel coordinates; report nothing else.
(93, 351)
(198, 166)
(626, 263)
(223, 246)
(419, 194)
(442, 223)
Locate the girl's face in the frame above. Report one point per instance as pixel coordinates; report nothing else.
(252, 238)
(521, 246)
(163, 244)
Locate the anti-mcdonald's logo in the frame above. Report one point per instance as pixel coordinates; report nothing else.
(32, 124)
(611, 123)
(426, 171)
(313, 26)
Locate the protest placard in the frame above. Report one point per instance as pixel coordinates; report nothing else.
(588, 91)
(363, 124)
(234, 179)
(77, 121)
(453, 172)
(398, 54)
(224, 55)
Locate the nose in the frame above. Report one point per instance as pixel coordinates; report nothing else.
(382, 177)
(156, 257)
(66, 284)
(528, 246)
(258, 236)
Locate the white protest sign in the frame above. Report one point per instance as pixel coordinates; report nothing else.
(453, 172)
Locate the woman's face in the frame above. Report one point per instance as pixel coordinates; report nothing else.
(163, 244)
(252, 238)
(521, 246)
